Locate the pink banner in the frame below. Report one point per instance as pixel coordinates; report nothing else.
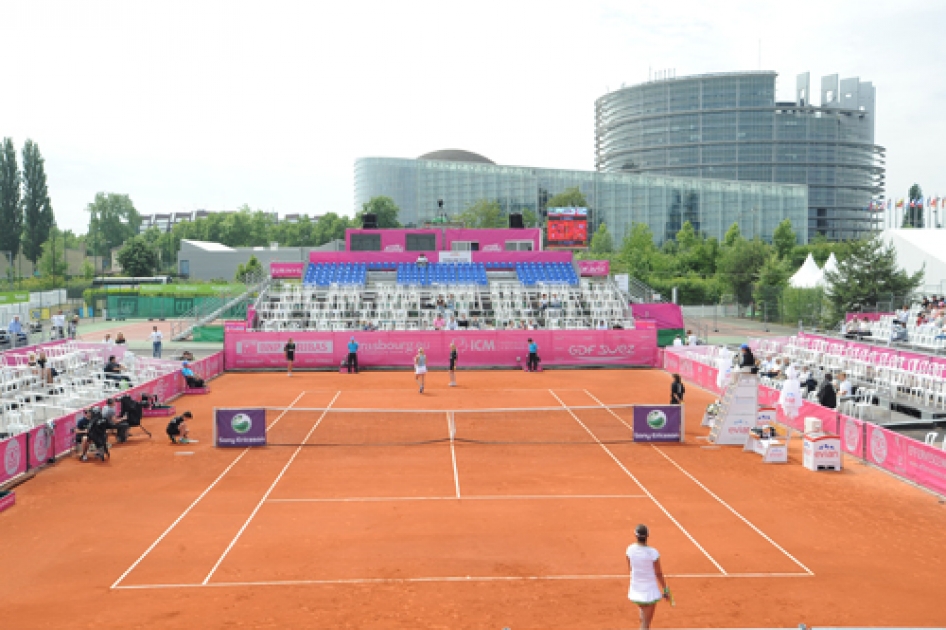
(286, 269)
(13, 451)
(477, 348)
(666, 315)
(594, 267)
(250, 316)
(851, 431)
(409, 257)
(494, 239)
(906, 457)
(234, 326)
(26, 350)
(871, 317)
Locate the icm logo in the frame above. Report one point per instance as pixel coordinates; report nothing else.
(11, 457)
(878, 446)
(241, 423)
(482, 345)
(656, 420)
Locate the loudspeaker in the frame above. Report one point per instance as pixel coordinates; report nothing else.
(370, 222)
(515, 221)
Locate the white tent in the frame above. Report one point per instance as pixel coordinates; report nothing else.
(916, 248)
(808, 276)
(830, 265)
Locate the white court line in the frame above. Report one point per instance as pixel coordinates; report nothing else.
(483, 497)
(453, 454)
(620, 419)
(192, 505)
(269, 491)
(731, 509)
(461, 579)
(646, 491)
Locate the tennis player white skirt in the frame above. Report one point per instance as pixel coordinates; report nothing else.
(420, 369)
(645, 596)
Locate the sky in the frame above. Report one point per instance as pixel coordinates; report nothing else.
(211, 104)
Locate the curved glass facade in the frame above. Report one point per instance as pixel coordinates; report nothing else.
(617, 199)
(729, 126)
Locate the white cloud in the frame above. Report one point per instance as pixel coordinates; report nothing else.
(187, 105)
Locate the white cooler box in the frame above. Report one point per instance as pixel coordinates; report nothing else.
(821, 451)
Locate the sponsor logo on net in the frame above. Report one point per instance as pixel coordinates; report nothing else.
(241, 423)
(656, 420)
(878, 446)
(11, 457)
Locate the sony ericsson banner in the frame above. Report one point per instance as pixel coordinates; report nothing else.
(658, 423)
(239, 427)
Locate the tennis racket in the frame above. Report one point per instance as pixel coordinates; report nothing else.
(670, 597)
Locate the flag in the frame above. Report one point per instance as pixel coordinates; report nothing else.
(912, 204)
(934, 203)
(900, 202)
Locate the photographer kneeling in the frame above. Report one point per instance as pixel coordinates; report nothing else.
(178, 427)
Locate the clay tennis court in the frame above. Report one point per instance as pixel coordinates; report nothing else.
(390, 518)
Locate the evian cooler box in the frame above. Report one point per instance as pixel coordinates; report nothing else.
(821, 451)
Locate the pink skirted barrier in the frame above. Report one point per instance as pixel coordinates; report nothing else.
(901, 455)
(666, 315)
(477, 348)
(26, 451)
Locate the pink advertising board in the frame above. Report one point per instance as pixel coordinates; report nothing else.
(13, 452)
(250, 316)
(871, 317)
(666, 315)
(851, 431)
(234, 326)
(477, 348)
(594, 267)
(906, 457)
(286, 269)
(494, 240)
(410, 257)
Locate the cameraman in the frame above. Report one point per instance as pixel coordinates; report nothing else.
(115, 423)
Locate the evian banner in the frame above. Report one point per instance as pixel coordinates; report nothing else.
(594, 267)
(476, 348)
(909, 458)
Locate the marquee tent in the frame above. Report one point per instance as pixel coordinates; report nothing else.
(917, 248)
(808, 276)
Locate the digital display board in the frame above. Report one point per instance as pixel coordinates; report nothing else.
(567, 227)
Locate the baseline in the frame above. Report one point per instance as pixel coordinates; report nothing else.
(194, 504)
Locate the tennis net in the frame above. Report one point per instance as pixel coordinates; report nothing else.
(406, 427)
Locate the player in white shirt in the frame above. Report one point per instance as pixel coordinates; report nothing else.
(648, 585)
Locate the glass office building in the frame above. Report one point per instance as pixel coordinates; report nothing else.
(730, 127)
(619, 200)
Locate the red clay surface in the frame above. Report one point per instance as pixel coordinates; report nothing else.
(361, 535)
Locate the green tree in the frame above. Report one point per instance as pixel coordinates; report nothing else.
(384, 208)
(113, 220)
(250, 271)
(772, 279)
(483, 214)
(868, 275)
(914, 215)
(601, 242)
(529, 218)
(331, 227)
(738, 266)
(37, 210)
(11, 212)
(638, 252)
(52, 261)
(784, 239)
(138, 258)
(568, 198)
(88, 270)
(733, 234)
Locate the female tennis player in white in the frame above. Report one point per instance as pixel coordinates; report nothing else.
(420, 368)
(643, 562)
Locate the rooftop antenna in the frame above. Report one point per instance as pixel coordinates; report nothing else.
(760, 53)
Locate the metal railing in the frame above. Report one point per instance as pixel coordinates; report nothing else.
(210, 309)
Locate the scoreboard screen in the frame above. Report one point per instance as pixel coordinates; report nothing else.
(567, 227)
